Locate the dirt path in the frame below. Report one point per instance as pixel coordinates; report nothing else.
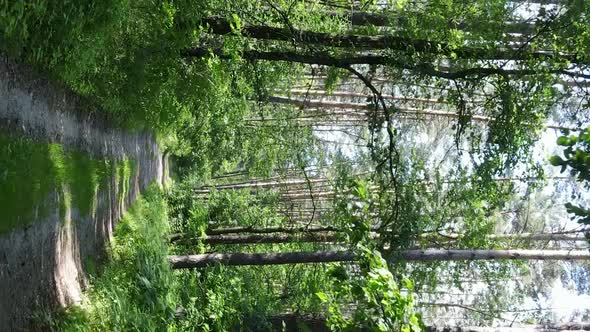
(43, 265)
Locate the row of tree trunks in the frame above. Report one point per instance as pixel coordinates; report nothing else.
(222, 26)
(427, 255)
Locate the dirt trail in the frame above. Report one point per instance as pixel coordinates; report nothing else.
(43, 265)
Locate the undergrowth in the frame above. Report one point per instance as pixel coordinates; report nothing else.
(135, 290)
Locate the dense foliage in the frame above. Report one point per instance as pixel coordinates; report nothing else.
(422, 135)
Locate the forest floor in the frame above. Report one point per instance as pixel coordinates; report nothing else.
(66, 177)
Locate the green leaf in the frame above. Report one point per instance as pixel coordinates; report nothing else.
(322, 296)
(556, 161)
(237, 24)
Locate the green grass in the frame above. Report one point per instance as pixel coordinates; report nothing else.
(135, 290)
(30, 171)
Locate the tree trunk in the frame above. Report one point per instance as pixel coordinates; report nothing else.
(370, 108)
(221, 26)
(350, 94)
(427, 255)
(320, 235)
(345, 62)
(239, 259)
(383, 20)
(265, 230)
(260, 238)
(260, 184)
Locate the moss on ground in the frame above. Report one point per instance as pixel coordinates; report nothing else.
(30, 171)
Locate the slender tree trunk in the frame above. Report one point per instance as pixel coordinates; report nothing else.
(239, 259)
(260, 238)
(260, 184)
(345, 62)
(320, 235)
(370, 108)
(427, 255)
(383, 20)
(350, 94)
(241, 230)
(221, 26)
(265, 230)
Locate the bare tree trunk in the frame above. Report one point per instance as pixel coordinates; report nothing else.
(427, 255)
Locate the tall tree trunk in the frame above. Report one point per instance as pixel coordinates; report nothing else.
(260, 238)
(384, 20)
(369, 108)
(427, 255)
(350, 94)
(222, 26)
(260, 184)
(327, 59)
(320, 235)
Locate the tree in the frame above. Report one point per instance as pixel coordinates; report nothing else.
(237, 259)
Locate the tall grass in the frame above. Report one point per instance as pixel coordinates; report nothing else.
(136, 289)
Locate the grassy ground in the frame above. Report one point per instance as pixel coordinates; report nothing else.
(30, 171)
(135, 290)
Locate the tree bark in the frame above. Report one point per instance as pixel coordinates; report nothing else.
(369, 108)
(222, 26)
(350, 94)
(345, 62)
(260, 184)
(383, 20)
(260, 238)
(239, 259)
(320, 235)
(427, 255)
(265, 230)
